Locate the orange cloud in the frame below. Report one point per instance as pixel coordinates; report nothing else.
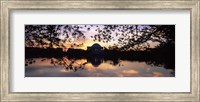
(130, 72)
(157, 74)
(106, 66)
(89, 66)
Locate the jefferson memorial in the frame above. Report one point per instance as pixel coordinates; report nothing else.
(95, 49)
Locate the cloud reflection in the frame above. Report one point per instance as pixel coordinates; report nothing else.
(105, 69)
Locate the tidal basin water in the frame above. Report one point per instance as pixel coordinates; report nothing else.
(63, 67)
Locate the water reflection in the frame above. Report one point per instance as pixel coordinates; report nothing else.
(95, 60)
(95, 66)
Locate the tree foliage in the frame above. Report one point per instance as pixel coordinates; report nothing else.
(126, 37)
(51, 35)
(136, 37)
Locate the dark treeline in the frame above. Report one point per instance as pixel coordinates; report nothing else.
(164, 55)
(31, 52)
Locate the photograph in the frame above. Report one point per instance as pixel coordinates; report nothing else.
(99, 50)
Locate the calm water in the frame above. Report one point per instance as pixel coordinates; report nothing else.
(63, 67)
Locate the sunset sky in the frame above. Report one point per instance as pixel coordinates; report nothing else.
(88, 40)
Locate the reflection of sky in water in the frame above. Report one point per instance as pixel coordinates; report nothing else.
(105, 69)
